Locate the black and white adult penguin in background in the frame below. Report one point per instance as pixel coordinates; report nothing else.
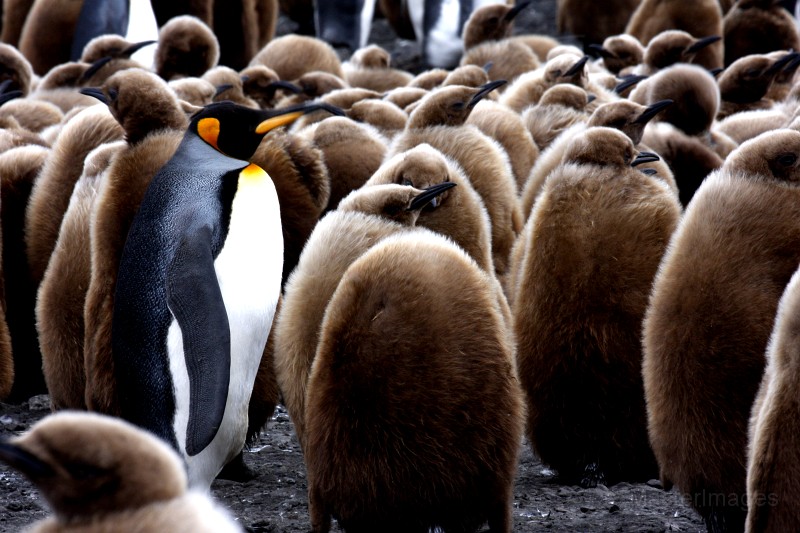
(437, 24)
(197, 287)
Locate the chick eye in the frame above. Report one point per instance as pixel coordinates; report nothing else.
(787, 160)
(113, 93)
(458, 106)
(407, 183)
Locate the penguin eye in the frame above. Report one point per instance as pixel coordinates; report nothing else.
(113, 94)
(83, 471)
(458, 106)
(752, 73)
(787, 160)
(493, 21)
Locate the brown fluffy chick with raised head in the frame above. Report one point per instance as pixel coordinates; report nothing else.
(99, 473)
(711, 311)
(700, 18)
(744, 85)
(671, 47)
(440, 120)
(529, 88)
(448, 461)
(591, 249)
(154, 123)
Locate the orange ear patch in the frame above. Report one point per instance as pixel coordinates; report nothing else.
(208, 129)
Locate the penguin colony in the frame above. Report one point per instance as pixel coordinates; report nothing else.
(596, 252)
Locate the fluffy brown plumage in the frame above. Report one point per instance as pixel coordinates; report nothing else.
(709, 319)
(699, 18)
(62, 293)
(99, 474)
(352, 152)
(291, 56)
(53, 188)
(758, 27)
(591, 249)
(772, 456)
(447, 460)
(46, 38)
(439, 120)
(18, 170)
(363, 218)
(593, 21)
(186, 47)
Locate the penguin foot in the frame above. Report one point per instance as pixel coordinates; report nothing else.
(237, 470)
(592, 476)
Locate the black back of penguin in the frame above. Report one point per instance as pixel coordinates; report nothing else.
(189, 197)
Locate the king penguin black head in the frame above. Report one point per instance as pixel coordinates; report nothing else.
(236, 131)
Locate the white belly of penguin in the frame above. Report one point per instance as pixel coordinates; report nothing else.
(249, 275)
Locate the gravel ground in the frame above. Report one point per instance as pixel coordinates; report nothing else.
(275, 501)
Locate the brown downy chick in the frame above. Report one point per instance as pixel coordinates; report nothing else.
(694, 92)
(263, 85)
(671, 47)
(758, 27)
(33, 115)
(344, 99)
(458, 213)
(592, 22)
(62, 293)
(313, 85)
(46, 38)
(620, 52)
(402, 97)
(99, 473)
(560, 107)
(440, 120)
(60, 87)
(772, 456)
(363, 218)
(429, 79)
(229, 86)
(628, 117)
(510, 59)
(493, 22)
(698, 18)
(154, 123)
(186, 48)
(782, 85)
(291, 56)
(195, 91)
(469, 76)
(597, 232)
(446, 463)
(711, 311)
(352, 152)
(385, 116)
(369, 68)
(507, 128)
(14, 14)
(529, 88)
(15, 67)
(19, 167)
(743, 86)
(50, 196)
(111, 45)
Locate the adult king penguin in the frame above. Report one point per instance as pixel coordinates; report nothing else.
(198, 283)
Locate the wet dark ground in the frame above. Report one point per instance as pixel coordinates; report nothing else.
(275, 501)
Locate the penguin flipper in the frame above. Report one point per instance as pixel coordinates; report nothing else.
(195, 300)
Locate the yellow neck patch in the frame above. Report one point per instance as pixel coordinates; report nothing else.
(252, 174)
(208, 129)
